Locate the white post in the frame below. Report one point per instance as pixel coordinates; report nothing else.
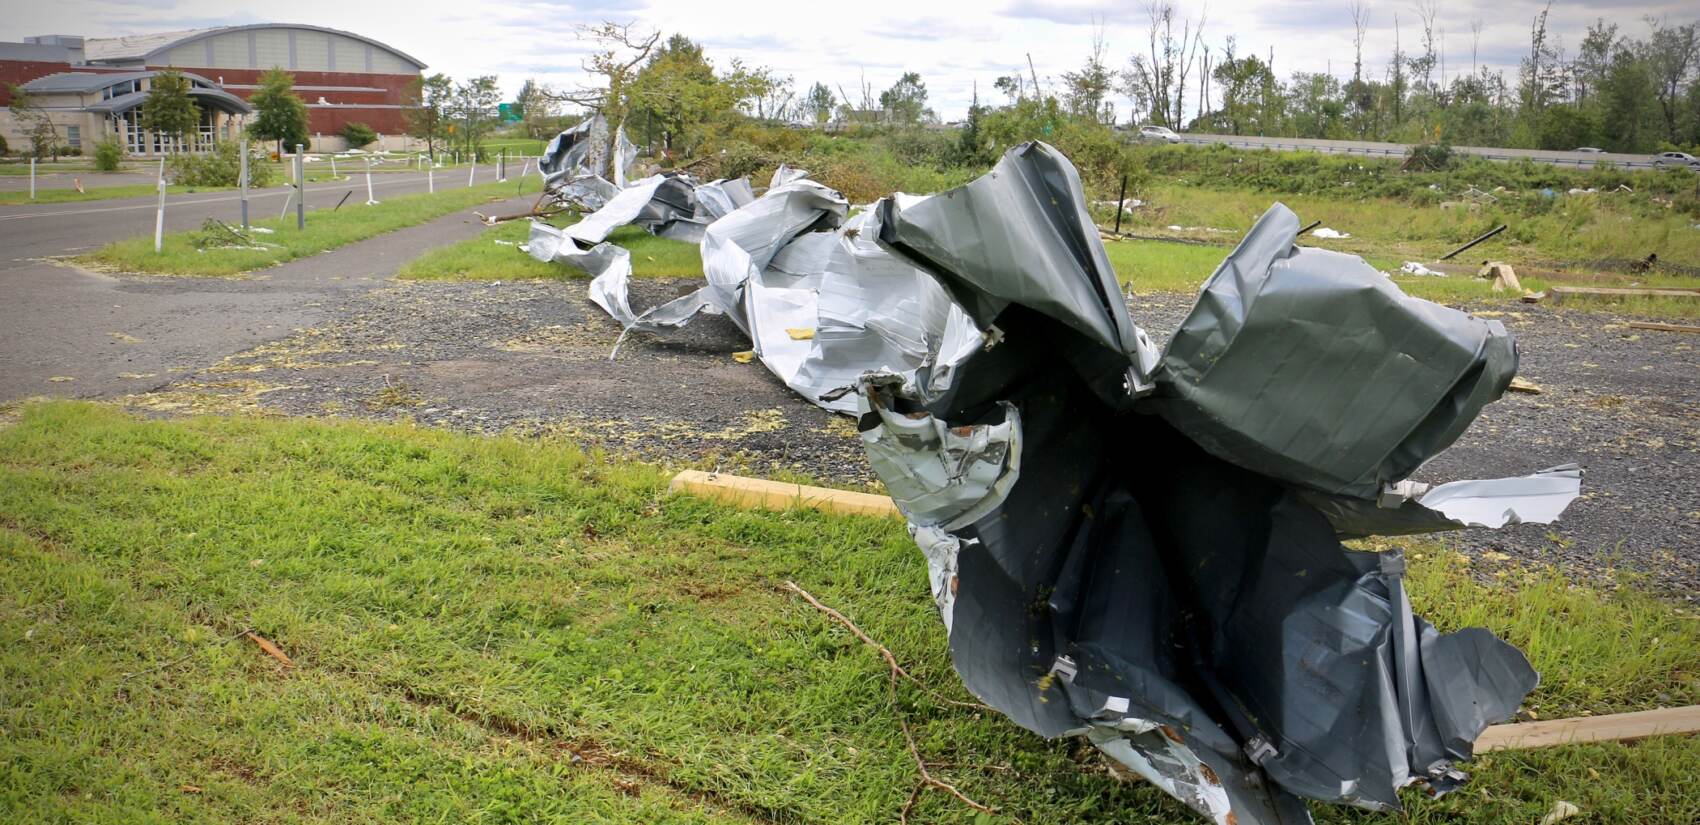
(159, 215)
(370, 201)
(32, 178)
(471, 168)
(431, 180)
(526, 169)
(244, 182)
(333, 167)
(287, 199)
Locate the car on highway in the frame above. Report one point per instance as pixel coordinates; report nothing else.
(1666, 159)
(1162, 133)
(1590, 150)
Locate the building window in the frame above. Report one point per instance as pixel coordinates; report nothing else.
(74, 137)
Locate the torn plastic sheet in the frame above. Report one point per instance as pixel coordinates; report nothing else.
(1142, 551)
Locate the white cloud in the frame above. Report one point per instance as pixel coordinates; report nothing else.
(953, 44)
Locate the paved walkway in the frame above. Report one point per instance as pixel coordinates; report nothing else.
(112, 335)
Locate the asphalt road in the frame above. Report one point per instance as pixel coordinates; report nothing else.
(1364, 147)
(72, 333)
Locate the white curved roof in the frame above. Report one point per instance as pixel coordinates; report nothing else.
(144, 46)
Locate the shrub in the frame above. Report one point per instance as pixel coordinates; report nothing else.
(108, 153)
(358, 134)
(220, 167)
(4, 149)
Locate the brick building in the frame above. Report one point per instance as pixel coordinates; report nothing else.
(92, 87)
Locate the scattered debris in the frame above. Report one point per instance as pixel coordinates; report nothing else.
(1644, 265)
(1331, 234)
(216, 234)
(1561, 811)
(1664, 327)
(1414, 268)
(1521, 385)
(1484, 236)
(1533, 297)
(1559, 293)
(188, 788)
(1137, 578)
(1502, 275)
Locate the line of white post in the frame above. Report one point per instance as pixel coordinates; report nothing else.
(244, 182)
(159, 215)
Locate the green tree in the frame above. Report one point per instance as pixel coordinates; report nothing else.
(905, 102)
(1628, 117)
(427, 100)
(820, 103)
(1085, 92)
(476, 112)
(279, 114)
(168, 110)
(538, 110)
(676, 97)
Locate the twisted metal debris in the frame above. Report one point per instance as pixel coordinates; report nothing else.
(1139, 547)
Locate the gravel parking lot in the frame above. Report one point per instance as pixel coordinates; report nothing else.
(533, 357)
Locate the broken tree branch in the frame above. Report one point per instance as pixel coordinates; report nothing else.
(896, 670)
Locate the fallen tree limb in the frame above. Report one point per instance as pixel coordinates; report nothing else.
(895, 671)
(1663, 327)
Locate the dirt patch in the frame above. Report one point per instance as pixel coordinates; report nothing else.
(533, 357)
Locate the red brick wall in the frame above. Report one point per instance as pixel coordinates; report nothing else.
(23, 71)
(392, 91)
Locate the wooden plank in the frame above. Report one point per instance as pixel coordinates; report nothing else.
(1663, 327)
(1559, 293)
(1617, 727)
(779, 495)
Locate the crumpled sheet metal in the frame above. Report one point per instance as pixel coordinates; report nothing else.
(1123, 547)
(821, 300)
(1307, 366)
(584, 151)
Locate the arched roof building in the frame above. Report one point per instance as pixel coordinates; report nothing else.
(343, 77)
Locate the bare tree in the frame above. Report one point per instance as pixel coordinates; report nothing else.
(622, 49)
(1157, 79)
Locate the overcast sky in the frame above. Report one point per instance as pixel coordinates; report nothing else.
(952, 44)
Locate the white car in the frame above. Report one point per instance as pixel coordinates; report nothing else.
(1162, 133)
(1590, 150)
(1664, 159)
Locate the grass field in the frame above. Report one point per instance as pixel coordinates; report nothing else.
(100, 193)
(483, 259)
(326, 229)
(506, 630)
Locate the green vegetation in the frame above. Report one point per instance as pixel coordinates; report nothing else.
(108, 154)
(102, 193)
(499, 629)
(494, 256)
(358, 134)
(220, 167)
(326, 229)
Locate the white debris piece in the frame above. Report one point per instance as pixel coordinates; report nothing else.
(1331, 234)
(1414, 268)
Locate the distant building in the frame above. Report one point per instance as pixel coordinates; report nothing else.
(92, 87)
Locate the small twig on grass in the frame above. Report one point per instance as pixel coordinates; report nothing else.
(187, 656)
(896, 670)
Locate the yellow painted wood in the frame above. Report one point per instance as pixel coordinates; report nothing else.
(779, 495)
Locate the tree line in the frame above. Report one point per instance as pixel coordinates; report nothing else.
(1624, 88)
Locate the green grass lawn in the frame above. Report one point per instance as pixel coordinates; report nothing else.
(101, 193)
(325, 230)
(483, 259)
(499, 629)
